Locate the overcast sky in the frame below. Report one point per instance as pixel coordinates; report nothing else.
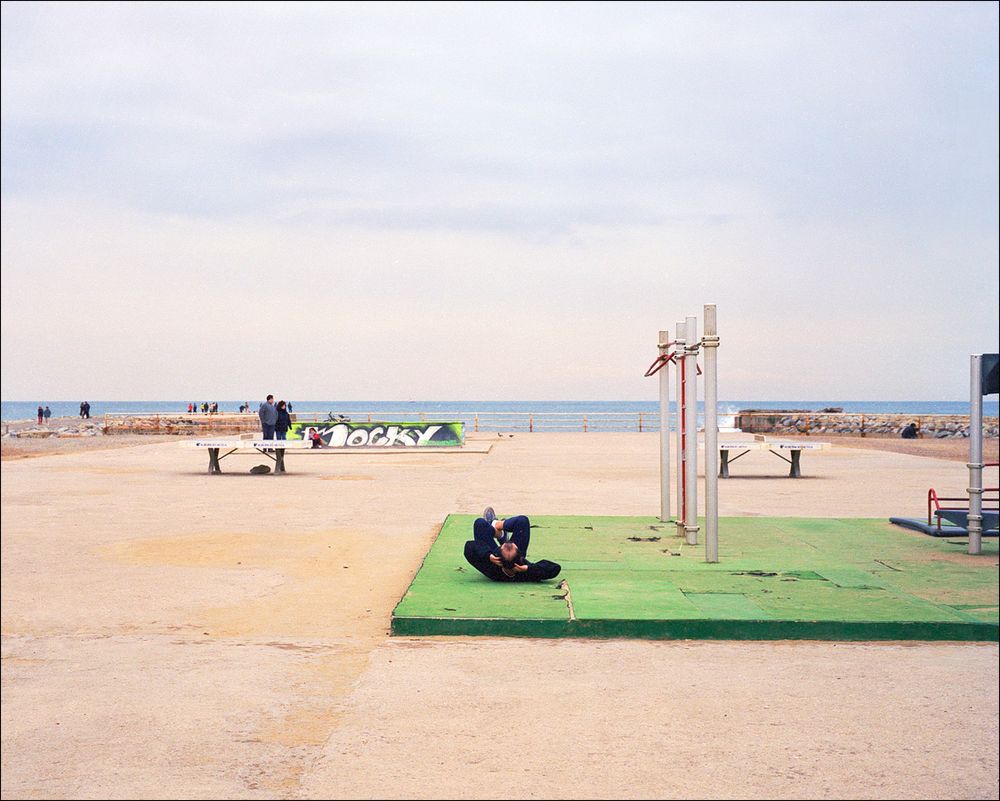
(483, 201)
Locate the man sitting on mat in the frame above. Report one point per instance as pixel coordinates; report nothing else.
(500, 550)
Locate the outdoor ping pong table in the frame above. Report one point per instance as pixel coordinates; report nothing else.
(778, 448)
(273, 449)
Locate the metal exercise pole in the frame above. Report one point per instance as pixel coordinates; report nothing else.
(679, 350)
(691, 432)
(663, 345)
(976, 456)
(710, 342)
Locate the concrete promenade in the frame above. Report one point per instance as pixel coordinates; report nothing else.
(171, 634)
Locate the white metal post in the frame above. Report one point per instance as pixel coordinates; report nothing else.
(663, 345)
(976, 456)
(679, 350)
(710, 342)
(691, 431)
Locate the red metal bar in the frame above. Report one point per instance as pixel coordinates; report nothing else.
(659, 363)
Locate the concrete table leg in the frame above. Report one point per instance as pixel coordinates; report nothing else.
(795, 472)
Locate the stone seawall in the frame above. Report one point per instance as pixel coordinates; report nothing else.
(937, 426)
(194, 425)
(184, 424)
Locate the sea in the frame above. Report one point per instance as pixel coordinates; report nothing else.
(567, 415)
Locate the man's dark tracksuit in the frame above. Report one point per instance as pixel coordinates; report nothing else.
(478, 550)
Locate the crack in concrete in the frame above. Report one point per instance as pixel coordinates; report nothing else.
(568, 598)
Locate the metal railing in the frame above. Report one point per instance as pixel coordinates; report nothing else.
(513, 421)
(475, 421)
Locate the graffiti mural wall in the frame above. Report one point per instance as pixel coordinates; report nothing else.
(382, 435)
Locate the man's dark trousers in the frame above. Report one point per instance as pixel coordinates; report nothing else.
(478, 550)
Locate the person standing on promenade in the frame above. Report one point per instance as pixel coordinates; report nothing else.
(81, 409)
(268, 415)
(41, 414)
(48, 414)
(283, 421)
(86, 410)
(500, 557)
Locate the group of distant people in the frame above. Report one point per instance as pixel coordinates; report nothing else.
(213, 408)
(245, 408)
(44, 413)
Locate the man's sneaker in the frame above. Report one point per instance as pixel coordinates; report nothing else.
(489, 515)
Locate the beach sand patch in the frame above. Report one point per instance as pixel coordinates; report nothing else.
(325, 584)
(324, 593)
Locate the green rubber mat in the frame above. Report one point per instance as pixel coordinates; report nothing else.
(777, 578)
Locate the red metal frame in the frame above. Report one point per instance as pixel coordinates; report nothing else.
(935, 499)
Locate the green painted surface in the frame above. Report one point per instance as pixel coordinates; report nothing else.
(778, 578)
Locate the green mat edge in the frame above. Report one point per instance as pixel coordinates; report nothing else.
(857, 631)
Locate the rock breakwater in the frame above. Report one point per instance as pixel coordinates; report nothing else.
(938, 426)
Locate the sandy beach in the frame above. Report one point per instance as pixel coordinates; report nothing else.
(170, 634)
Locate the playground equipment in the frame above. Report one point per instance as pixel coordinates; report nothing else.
(959, 515)
(686, 345)
(953, 512)
(970, 518)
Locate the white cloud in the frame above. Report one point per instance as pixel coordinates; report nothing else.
(408, 194)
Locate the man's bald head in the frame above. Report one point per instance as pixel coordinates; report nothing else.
(509, 554)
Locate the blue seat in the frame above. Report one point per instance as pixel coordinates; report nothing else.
(960, 517)
(989, 525)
